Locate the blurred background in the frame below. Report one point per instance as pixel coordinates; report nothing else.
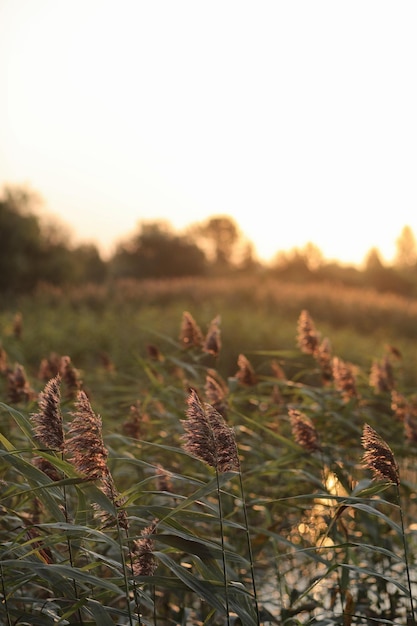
(227, 136)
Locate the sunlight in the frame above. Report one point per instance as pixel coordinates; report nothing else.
(141, 111)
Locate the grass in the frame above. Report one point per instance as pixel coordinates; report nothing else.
(299, 532)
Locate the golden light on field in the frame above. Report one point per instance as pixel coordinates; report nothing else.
(297, 119)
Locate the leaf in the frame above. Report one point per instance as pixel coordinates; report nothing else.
(38, 480)
(21, 420)
(368, 572)
(100, 613)
(202, 588)
(198, 547)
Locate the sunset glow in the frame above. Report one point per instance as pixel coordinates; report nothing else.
(297, 119)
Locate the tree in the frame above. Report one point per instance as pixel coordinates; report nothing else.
(406, 249)
(220, 236)
(32, 250)
(156, 252)
(383, 278)
(20, 241)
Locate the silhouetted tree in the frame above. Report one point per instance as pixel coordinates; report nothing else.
(220, 237)
(156, 252)
(383, 278)
(20, 242)
(406, 249)
(32, 250)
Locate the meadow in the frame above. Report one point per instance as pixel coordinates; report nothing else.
(208, 451)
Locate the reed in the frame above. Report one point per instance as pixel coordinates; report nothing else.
(232, 498)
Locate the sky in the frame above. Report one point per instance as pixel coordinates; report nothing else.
(298, 119)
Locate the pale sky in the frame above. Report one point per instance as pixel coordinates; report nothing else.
(296, 118)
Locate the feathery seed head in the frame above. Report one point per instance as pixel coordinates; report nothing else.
(190, 333)
(303, 431)
(48, 421)
(212, 342)
(378, 456)
(307, 335)
(143, 560)
(216, 394)
(381, 377)
(208, 437)
(245, 374)
(344, 379)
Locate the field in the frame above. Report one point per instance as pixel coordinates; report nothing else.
(208, 452)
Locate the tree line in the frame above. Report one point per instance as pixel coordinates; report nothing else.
(33, 251)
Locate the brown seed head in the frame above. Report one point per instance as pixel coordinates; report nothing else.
(307, 335)
(344, 379)
(323, 356)
(378, 456)
(143, 560)
(207, 436)
(47, 468)
(163, 479)
(216, 394)
(381, 377)
(18, 387)
(49, 367)
(212, 342)
(47, 422)
(86, 451)
(303, 431)
(84, 445)
(190, 333)
(400, 406)
(245, 374)
(70, 376)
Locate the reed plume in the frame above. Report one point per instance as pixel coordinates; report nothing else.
(307, 336)
(47, 422)
(208, 437)
(245, 374)
(303, 431)
(344, 379)
(70, 376)
(49, 367)
(143, 562)
(47, 468)
(190, 333)
(86, 451)
(381, 377)
(323, 356)
(378, 456)
(216, 394)
(212, 342)
(136, 423)
(399, 405)
(18, 386)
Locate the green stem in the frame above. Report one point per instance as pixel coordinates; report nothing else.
(252, 569)
(407, 567)
(70, 554)
(125, 578)
(223, 549)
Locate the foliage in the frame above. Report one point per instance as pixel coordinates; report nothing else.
(297, 533)
(157, 252)
(33, 252)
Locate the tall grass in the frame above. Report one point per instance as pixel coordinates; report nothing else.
(109, 515)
